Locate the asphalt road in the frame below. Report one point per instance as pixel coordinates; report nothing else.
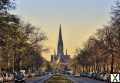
(72, 78)
(38, 79)
(83, 80)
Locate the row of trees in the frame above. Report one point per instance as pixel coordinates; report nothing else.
(101, 52)
(20, 44)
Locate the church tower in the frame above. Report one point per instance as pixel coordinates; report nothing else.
(60, 46)
(59, 60)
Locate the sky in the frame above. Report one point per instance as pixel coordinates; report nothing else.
(79, 20)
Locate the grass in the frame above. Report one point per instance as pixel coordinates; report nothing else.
(58, 79)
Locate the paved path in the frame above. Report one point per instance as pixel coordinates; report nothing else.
(83, 80)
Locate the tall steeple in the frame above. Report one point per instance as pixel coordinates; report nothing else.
(60, 47)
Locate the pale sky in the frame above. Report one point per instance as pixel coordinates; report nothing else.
(79, 19)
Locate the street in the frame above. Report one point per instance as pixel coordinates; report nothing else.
(83, 80)
(72, 78)
(38, 79)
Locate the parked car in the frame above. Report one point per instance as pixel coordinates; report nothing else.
(94, 75)
(89, 75)
(84, 74)
(10, 77)
(4, 77)
(105, 77)
(97, 76)
(76, 75)
(7, 76)
(19, 78)
(101, 76)
(1, 78)
(50, 73)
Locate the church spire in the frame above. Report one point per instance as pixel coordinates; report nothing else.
(60, 35)
(60, 48)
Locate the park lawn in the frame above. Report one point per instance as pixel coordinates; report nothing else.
(58, 79)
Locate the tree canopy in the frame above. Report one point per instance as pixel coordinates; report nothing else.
(20, 43)
(103, 48)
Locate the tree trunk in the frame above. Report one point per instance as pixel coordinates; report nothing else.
(112, 63)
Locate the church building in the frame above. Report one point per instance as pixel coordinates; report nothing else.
(60, 60)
